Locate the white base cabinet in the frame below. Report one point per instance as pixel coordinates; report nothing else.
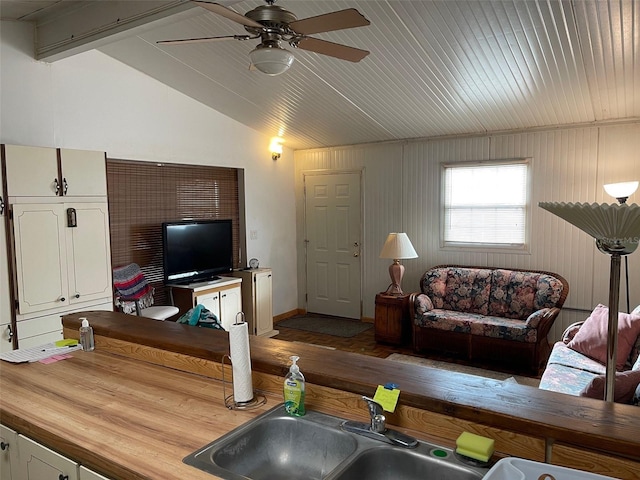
(39, 462)
(9, 459)
(257, 300)
(222, 297)
(22, 458)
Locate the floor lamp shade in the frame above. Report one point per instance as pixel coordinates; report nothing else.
(616, 229)
(397, 246)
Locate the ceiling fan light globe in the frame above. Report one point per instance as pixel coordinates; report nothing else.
(271, 60)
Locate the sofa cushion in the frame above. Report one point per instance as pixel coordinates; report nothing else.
(565, 379)
(458, 288)
(563, 355)
(476, 324)
(591, 339)
(623, 390)
(516, 294)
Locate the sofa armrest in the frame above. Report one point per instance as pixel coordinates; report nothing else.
(420, 303)
(542, 320)
(571, 331)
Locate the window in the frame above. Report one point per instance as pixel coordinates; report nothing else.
(485, 204)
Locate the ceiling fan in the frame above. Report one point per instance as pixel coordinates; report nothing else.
(273, 24)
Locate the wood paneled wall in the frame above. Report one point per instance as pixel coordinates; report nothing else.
(402, 192)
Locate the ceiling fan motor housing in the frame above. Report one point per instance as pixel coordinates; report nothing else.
(272, 17)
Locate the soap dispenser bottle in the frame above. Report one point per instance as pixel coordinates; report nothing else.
(294, 389)
(86, 336)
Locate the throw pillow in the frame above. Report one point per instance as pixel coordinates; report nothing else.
(591, 339)
(623, 391)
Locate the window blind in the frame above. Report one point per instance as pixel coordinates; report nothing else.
(485, 204)
(143, 195)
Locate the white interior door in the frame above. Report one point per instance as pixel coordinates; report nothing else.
(333, 231)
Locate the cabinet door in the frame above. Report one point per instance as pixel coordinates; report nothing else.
(6, 343)
(86, 474)
(31, 171)
(41, 258)
(88, 250)
(230, 305)
(263, 307)
(83, 173)
(39, 330)
(9, 460)
(210, 301)
(40, 463)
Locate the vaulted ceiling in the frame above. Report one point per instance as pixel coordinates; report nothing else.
(436, 68)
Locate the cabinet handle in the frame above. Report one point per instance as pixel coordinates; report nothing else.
(63, 477)
(4, 446)
(10, 334)
(63, 299)
(1, 205)
(66, 186)
(77, 295)
(56, 186)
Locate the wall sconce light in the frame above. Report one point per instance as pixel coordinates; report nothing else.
(276, 148)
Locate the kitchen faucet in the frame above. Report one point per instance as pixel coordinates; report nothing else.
(377, 429)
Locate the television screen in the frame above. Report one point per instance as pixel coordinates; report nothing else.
(197, 250)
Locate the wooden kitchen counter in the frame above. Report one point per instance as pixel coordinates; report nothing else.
(148, 410)
(120, 417)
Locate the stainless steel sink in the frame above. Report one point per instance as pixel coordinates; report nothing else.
(384, 463)
(277, 445)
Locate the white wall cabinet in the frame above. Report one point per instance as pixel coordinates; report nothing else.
(6, 330)
(222, 297)
(59, 237)
(9, 459)
(48, 172)
(58, 265)
(257, 300)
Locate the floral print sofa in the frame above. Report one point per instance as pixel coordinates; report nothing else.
(572, 372)
(487, 314)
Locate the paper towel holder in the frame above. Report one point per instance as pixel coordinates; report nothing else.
(229, 401)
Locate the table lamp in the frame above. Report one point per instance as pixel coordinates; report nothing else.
(397, 246)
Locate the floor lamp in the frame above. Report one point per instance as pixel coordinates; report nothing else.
(622, 191)
(616, 229)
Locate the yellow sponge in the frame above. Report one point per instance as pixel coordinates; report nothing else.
(475, 446)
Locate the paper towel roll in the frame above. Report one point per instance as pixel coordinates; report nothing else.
(240, 362)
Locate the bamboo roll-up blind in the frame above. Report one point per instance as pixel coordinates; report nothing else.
(142, 195)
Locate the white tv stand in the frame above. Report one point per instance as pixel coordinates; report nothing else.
(222, 297)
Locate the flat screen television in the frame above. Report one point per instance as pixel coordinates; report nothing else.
(196, 250)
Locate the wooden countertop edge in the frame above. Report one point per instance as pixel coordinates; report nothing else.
(581, 422)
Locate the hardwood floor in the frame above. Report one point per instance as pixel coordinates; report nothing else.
(366, 344)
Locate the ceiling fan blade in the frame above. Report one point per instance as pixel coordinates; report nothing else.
(331, 49)
(228, 13)
(204, 39)
(349, 18)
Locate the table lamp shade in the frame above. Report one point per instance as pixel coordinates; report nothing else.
(396, 247)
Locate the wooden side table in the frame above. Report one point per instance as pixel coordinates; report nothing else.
(392, 320)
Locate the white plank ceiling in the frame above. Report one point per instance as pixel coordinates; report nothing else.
(436, 68)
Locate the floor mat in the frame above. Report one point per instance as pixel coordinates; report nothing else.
(338, 327)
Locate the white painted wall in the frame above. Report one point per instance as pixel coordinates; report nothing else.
(91, 101)
(401, 193)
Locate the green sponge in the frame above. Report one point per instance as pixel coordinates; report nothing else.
(474, 446)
